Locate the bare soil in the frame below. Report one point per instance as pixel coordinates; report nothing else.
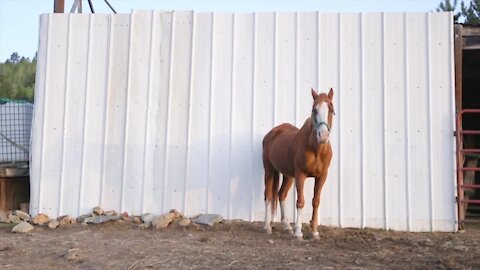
(233, 245)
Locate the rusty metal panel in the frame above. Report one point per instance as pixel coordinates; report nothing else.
(149, 111)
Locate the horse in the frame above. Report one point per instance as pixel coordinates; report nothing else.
(298, 153)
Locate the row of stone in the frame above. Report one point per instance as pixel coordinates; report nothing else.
(98, 216)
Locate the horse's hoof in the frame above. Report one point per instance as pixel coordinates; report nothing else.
(315, 235)
(299, 235)
(268, 230)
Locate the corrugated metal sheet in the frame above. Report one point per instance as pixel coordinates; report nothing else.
(149, 111)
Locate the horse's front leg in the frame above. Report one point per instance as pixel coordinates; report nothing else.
(319, 181)
(299, 182)
(282, 195)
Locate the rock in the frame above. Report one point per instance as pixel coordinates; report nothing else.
(25, 207)
(22, 215)
(184, 222)
(208, 219)
(100, 219)
(124, 214)
(128, 219)
(22, 227)
(164, 220)
(53, 224)
(148, 218)
(82, 218)
(73, 220)
(3, 217)
(137, 220)
(97, 211)
(176, 213)
(110, 213)
(145, 225)
(65, 220)
(41, 219)
(13, 218)
(72, 254)
(271, 241)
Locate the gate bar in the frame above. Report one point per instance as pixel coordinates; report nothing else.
(461, 153)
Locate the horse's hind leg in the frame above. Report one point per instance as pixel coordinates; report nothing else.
(282, 195)
(269, 181)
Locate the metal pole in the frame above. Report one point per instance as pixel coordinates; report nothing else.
(91, 6)
(59, 6)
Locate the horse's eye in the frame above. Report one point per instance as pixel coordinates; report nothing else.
(314, 110)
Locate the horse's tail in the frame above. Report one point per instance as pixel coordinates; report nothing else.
(274, 202)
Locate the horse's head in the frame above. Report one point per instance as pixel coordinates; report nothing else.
(322, 115)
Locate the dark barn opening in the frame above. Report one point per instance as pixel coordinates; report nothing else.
(467, 75)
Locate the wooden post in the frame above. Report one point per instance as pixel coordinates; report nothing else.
(59, 6)
(458, 55)
(458, 49)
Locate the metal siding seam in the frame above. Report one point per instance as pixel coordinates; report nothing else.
(296, 86)
(147, 111)
(385, 182)
(429, 87)
(189, 128)
(209, 150)
(87, 81)
(318, 49)
(65, 108)
(254, 32)
(407, 124)
(107, 85)
(453, 123)
(340, 197)
(362, 112)
(232, 91)
(296, 69)
(275, 51)
(42, 149)
(125, 131)
(169, 101)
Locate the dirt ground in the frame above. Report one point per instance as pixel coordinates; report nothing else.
(233, 245)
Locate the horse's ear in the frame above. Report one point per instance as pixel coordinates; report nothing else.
(330, 93)
(314, 94)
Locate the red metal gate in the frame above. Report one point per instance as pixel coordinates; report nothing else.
(462, 169)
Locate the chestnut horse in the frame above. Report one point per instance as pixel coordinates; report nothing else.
(298, 153)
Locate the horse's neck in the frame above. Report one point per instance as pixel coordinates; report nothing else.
(309, 142)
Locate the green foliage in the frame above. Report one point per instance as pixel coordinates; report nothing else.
(467, 14)
(472, 12)
(17, 78)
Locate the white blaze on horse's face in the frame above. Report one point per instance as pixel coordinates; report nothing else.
(321, 126)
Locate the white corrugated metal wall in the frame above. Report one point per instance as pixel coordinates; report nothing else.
(152, 110)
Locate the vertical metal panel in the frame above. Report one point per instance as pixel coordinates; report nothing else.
(95, 108)
(54, 111)
(199, 124)
(158, 110)
(372, 89)
(119, 66)
(351, 100)
(396, 136)
(442, 115)
(417, 116)
(37, 132)
(329, 77)
(220, 114)
(306, 78)
(136, 110)
(264, 101)
(74, 117)
(178, 115)
(242, 110)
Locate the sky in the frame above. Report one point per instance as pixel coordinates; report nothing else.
(19, 19)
